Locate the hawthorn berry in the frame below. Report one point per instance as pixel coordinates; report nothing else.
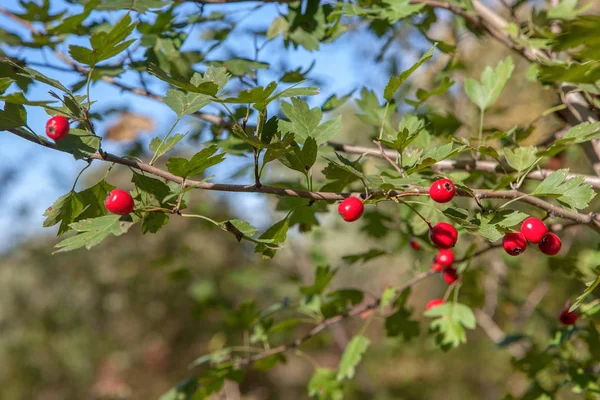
(550, 244)
(434, 303)
(534, 229)
(119, 202)
(414, 244)
(514, 243)
(450, 275)
(568, 318)
(437, 267)
(57, 128)
(442, 190)
(351, 209)
(445, 257)
(443, 235)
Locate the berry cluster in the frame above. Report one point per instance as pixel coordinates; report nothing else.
(535, 231)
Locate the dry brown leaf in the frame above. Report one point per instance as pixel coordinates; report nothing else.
(129, 126)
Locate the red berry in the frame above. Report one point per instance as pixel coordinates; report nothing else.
(437, 267)
(434, 303)
(57, 128)
(550, 244)
(119, 202)
(351, 209)
(534, 229)
(450, 275)
(442, 191)
(568, 318)
(414, 244)
(514, 243)
(443, 235)
(445, 257)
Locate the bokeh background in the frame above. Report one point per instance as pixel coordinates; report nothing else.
(127, 319)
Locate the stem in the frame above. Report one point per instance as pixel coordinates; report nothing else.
(416, 212)
(79, 174)
(201, 217)
(387, 105)
(480, 137)
(88, 84)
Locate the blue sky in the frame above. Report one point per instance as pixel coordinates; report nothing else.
(44, 174)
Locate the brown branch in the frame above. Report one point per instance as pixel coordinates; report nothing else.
(467, 165)
(356, 311)
(496, 334)
(591, 220)
(389, 159)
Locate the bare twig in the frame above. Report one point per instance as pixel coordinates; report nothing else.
(388, 159)
(534, 298)
(497, 335)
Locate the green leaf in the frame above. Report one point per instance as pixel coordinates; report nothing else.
(304, 122)
(409, 129)
(396, 81)
(352, 356)
(198, 85)
(5, 84)
(13, 116)
(255, 95)
(334, 102)
(581, 133)
(75, 206)
(63, 211)
(324, 385)
(364, 257)
(450, 324)
(521, 158)
(387, 297)
(93, 231)
(424, 95)
(38, 76)
(105, 44)
(566, 10)
(401, 324)
(197, 164)
(186, 103)
(160, 150)
(150, 191)
(240, 229)
(309, 153)
(486, 93)
(79, 143)
(275, 234)
(140, 6)
(323, 275)
(572, 192)
(590, 288)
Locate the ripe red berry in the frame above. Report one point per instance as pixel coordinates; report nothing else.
(442, 190)
(436, 266)
(534, 229)
(568, 318)
(550, 244)
(514, 243)
(414, 244)
(119, 202)
(450, 275)
(443, 235)
(57, 127)
(351, 209)
(445, 257)
(434, 303)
